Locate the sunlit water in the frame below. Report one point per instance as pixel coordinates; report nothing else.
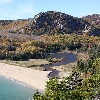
(12, 90)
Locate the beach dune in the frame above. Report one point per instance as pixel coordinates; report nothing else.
(33, 78)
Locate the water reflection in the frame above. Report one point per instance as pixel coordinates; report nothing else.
(69, 58)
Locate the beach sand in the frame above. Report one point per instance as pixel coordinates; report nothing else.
(33, 78)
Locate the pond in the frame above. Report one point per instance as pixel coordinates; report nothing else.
(69, 58)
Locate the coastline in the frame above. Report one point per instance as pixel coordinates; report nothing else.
(33, 79)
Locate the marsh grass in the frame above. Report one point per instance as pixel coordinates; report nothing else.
(32, 63)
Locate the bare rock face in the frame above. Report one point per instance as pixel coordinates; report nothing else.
(64, 74)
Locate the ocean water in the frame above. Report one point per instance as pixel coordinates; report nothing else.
(11, 90)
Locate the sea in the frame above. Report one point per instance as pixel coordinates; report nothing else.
(14, 90)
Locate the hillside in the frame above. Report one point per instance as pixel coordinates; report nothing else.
(13, 26)
(55, 22)
(47, 22)
(93, 19)
(51, 22)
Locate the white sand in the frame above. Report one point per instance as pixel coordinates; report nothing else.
(34, 78)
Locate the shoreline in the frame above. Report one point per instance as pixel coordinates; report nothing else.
(33, 79)
(23, 84)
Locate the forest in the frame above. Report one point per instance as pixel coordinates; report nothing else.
(27, 48)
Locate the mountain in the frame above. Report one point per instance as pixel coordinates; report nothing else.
(52, 22)
(55, 22)
(93, 19)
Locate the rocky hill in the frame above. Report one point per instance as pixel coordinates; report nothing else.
(93, 19)
(51, 22)
(55, 22)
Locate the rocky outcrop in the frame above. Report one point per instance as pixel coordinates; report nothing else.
(58, 59)
(55, 22)
(93, 19)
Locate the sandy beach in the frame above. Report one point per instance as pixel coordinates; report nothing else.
(33, 78)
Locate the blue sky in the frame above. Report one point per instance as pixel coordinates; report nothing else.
(24, 9)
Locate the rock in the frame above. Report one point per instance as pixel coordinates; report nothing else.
(64, 74)
(58, 59)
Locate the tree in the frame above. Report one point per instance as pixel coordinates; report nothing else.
(74, 87)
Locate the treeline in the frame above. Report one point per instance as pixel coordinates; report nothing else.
(17, 49)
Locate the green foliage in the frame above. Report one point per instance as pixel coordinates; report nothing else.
(93, 63)
(55, 90)
(83, 84)
(15, 57)
(96, 65)
(67, 89)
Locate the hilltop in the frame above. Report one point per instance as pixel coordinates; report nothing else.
(55, 22)
(52, 22)
(93, 19)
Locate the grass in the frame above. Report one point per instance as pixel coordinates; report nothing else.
(32, 63)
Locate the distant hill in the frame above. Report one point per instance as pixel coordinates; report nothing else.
(55, 22)
(93, 19)
(13, 26)
(5, 22)
(51, 22)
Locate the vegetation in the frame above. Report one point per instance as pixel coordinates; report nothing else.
(50, 32)
(32, 63)
(52, 22)
(27, 48)
(83, 84)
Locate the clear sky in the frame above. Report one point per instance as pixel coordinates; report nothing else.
(24, 9)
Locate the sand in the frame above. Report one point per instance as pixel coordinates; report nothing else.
(33, 78)
(59, 68)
